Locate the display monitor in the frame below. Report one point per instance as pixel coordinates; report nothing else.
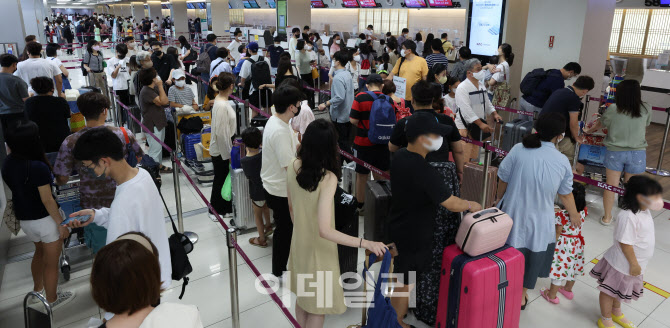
(202, 5)
(318, 4)
(415, 3)
(272, 4)
(440, 3)
(250, 4)
(189, 5)
(350, 3)
(665, 3)
(368, 4)
(485, 26)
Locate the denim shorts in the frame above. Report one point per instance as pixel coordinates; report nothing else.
(630, 161)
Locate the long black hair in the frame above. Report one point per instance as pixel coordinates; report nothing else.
(579, 193)
(507, 51)
(318, 153)
(548, 126)
(639, 185)
(284, 66)
(23, 140)
(182, 40)
(89, 46)
(628, 98)
(428, 45)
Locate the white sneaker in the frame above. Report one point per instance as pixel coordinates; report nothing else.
(35, 300)
(63, 298)
(212, 217)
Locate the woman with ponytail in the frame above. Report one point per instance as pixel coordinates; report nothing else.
(530, 176)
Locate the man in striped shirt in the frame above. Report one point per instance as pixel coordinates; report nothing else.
(180, 95)
(437, 56)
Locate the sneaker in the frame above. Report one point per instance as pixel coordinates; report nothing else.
(35, 300)
(212, 217)
(63, 298)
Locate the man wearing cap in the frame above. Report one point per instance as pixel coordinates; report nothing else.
(245, 74)
(376, 155)
(181, 97)
(418, 190)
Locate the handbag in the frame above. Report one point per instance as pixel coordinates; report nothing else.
(315, 73)
(9, 217)
(380, 314)
(227, 189)
(474, 130)
(502, 92)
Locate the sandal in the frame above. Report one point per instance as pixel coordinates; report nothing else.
(269, 232)
(567, 294)
(618, 320)
(523, 307)
(602, 221)
(544, 293)
(165, 169)
(257, 242)
(602, 325)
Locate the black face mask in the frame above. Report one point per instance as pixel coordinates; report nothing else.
(299, 107)
(158, 53)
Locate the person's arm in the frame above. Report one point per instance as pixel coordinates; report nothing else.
(115, 72)
(22, 90)
(629, 253)
(424, 68)
(459, 158)
(568, 201)
(457, 205)
(50, 204)
(162, 99)
(59, 85)
(574, 126)
(393, 148)
(64, 70)
(173, 99)
(395, 70)
(466, 111)
(595, 126)
(325, 216)
(338, 89)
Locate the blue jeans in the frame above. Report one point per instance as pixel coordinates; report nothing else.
(631, 161)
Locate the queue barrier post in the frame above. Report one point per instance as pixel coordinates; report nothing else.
(192, 236)
(485, 180)
(231, 238)
(659, 170)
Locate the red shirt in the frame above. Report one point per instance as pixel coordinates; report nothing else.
(360, 111)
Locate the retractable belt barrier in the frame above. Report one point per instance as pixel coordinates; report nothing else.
(244, 256)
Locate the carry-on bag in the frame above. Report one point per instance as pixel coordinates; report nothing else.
(32, 316)
(349, 178)
(380, 314)
(471, 189)
(188, 144)
(483, 231)
(514, 132)
(482, 291)
(377, 209)
(592, 155)
(243, 209)
(346, 222)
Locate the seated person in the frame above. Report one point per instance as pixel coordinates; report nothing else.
(181, 97)
(126, 281)
(50, 113)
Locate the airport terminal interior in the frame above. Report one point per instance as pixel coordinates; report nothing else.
(613, 41)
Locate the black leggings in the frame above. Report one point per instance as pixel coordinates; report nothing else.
(221, 168)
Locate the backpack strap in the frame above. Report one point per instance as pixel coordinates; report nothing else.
(125, 135)
(402, 60)
(372, 94)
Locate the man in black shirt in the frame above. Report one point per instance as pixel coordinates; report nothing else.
(568, 102)
(417, 193)
(163, 63)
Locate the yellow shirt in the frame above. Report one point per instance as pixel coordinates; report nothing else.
(447, 46)
(413, 71)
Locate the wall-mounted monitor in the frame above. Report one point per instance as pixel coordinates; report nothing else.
(440, 3)
(665, 3)
(485, 26)
(318, 4)
(165, 6)
(369, 4)
(415, 4)
(250, 4)
(349, 3)
(190, 5)
(271, 4)
(202, 5)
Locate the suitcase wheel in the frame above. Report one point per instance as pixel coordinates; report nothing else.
(66, 272)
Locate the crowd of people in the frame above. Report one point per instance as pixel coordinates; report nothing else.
(294, 165)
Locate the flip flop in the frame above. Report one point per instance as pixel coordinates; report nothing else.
(269, 232)
(543, 292)
(257, 243)
(606, 223)
(165, 169)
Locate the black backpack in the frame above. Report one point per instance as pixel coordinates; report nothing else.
(190, 125)
(67, 33)
(260, 73)
(532, 80)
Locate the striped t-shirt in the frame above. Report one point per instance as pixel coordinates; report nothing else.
(182, 96)
(433, 59)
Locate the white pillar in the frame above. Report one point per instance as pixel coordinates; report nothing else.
(155, 10)
(299, 13)
(33, 19)
(138, 10)
(179, 18)
(12, 25)
(220, 17)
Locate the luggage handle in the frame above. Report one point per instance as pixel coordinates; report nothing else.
(488, 211)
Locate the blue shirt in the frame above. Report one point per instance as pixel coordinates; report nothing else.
(342, 96)
(211, 50)
(534, 176)
(554, 81)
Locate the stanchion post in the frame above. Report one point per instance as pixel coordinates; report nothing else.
(192, 236)
(231, 238)
(485, 180)
(659, 170)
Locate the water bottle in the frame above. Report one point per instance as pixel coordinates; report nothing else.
(10, 51)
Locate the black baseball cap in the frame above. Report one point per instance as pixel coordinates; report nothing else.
(374, 78)
(424, 123)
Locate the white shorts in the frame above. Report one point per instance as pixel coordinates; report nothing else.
(43, 230)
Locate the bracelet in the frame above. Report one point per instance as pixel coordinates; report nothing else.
(361, 243)
(469, 206)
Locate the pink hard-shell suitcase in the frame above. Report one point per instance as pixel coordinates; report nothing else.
(482, 291)
(483, 231)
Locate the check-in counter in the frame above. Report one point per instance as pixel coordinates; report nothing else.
(656, 91)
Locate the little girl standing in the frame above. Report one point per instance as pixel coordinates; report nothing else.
(568, 261)
(620, 271)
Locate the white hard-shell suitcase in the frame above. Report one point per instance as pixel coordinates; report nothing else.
(243, 211)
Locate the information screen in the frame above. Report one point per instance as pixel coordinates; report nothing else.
(368, 3)
(350, 3)
(485, 26)
(415, 3)
(440, 3)
(272, 4)
(665, 3)
(190, 5)
(318, 4)
(250, 4)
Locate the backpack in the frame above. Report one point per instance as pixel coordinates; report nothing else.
(382, 119)
(365, 65)
(67, 33)
(260, 73)
(204, 62)
(532, 80)
(401, 111)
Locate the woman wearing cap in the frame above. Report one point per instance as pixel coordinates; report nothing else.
(530, 177)
(126, 281)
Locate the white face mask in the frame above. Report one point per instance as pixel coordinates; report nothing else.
(96, 48)
(357, 58)
(655, 204)
(180, 83)
(308, 48)
(337, 41)
(402, 53)
(434, 144)
(276, 44)
(479, 75)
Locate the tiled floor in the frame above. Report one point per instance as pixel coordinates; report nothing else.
(209, 288)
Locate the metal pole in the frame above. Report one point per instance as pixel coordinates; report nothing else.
(231, 235)
(177, 191)
(485, 181)
(659, 170)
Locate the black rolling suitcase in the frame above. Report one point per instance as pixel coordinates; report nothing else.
(377, 208)
(170, 139)
(134, 126)
(346, 221)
